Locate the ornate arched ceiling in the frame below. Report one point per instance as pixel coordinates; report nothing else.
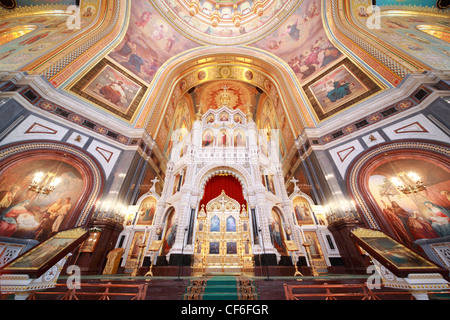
(168, 51)
(231, 22)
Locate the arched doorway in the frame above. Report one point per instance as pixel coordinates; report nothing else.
(222, 237)
(222, 244)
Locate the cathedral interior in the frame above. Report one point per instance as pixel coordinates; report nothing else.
(194, 144)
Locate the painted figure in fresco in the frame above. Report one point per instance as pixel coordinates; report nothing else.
(135, 251)
(439, 218)
(134, 62)
(144, 19)
(214, 248)
(8, 219)
(224, 117)
(170, 42)
(127, 48)
(150, 67)
(34, 39)
(337, 90)
(302, 212)
(172, 232)
(210, 119)
(158, 33)
(7, 197)
(147, 212)
(215, 224)
(231, 248)
(446, 194)
(114, 92)
(293, 31)
(208, 139)
(419, 228)
(224, 139)
(44, 228)
(275, 231)
(61, 214)
(397, 224)
(239, 140)
(231, 224)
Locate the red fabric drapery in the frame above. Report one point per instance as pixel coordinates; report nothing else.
(216, 184)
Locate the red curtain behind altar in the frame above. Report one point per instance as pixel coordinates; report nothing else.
(216, 184)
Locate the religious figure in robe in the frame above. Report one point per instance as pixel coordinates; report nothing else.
(9, 218)
(224, 139)
(208, 139)
(419, 228)
(293, 31)
(61, 214)
(114, 92)
(337, 90)
(158, 32)
(147, 213)
(34, 39)
(397, 224)
(144, 19)
(439, 217)
(239, 140)
(7, 197)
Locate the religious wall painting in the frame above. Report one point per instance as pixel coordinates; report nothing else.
(231, 224)
(231, 248)
(224, 116)
(211, 118)
(302, 211)
(111, 88)
(114, 88)
(214, 224)
(237, 119)
(25, 214)
(239, 138)
(421, 37)
(276, 232)
(302, 42)
(234, 94)
(269, 129)
(179, 127)
(146, 211)
(223, 138)
(139, 238)
(339, 88)
(28, 38)
(314, 248)
(270, 184)
(149, 42)
(422, 215)
(169, 233)
(335, 89)
(208, 138)
(214, 247)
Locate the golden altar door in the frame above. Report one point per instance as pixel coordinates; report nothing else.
(222, 244)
